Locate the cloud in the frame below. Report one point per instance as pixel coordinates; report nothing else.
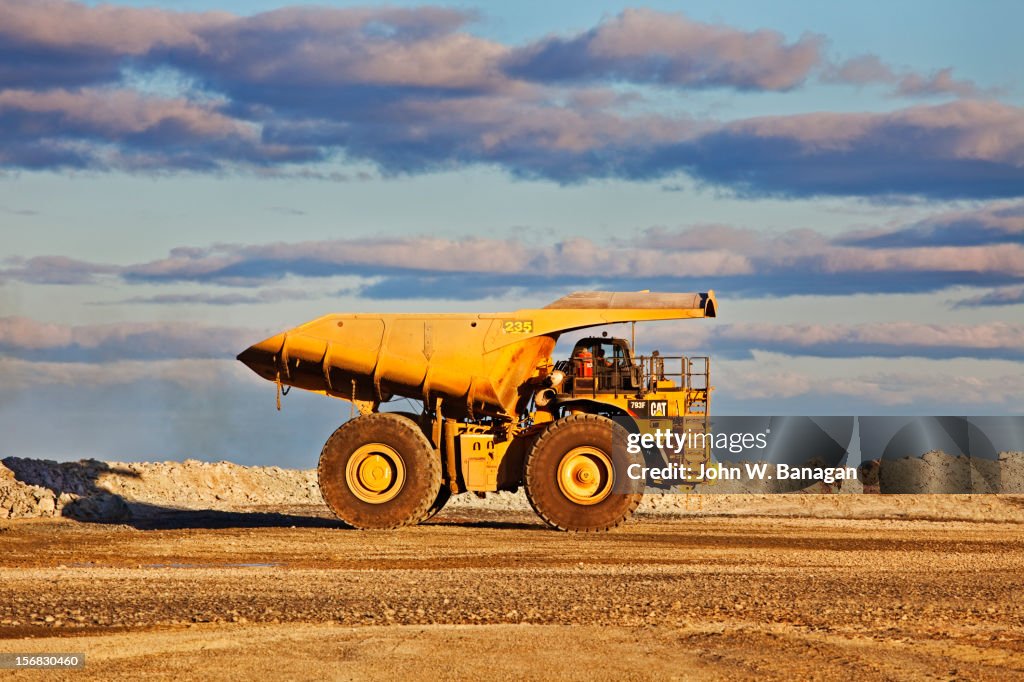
(28, 339)
(898, 259)
(236, 298)
(941, 82)
(235, 263)
(286, 210)
(413, 91)
(869, 69)
(957, 150)
(977, 247)
(998, 223)
(117, 128)
(52, 43)
(986, 249)
(20, 374)
(52, 270)
(336, 52)
(846, 387)
(995, 340)
(24, 212)
(645, 46)
(372, 257)
(996, 297)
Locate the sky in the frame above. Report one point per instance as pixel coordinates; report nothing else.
(180, 180)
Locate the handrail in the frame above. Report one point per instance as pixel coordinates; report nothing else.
(687, 373)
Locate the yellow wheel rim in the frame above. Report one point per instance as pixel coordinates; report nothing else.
(375, 473)
(585, 475)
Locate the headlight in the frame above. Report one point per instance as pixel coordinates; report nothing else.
(556, 378)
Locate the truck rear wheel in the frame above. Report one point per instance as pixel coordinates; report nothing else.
(571, 475)
(379, 471)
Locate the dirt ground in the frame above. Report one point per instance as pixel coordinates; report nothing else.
(286, 593)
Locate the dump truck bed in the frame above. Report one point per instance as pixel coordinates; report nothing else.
(478, 361)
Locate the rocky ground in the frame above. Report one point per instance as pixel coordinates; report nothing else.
(489, 593)
(215, 571)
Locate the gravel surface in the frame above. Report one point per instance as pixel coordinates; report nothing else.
(211, 570)
(194, 595)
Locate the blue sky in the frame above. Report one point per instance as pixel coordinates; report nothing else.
(176, 184)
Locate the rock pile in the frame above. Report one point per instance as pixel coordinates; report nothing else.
(19, 500)
(939, 472)
(94, 490)
(1011, 472)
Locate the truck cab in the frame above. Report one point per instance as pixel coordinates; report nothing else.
(602, 365)
(602, 375)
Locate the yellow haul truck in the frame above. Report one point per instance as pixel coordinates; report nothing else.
(498, 411)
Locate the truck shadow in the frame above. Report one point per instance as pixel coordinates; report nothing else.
(76, 491)
(152, 517)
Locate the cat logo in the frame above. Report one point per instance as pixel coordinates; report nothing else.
(648, 409)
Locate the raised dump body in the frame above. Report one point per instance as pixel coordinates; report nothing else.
(476, 362)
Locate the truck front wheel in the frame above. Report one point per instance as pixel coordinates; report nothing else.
(574, 475)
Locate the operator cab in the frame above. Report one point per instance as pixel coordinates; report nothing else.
(601, 364)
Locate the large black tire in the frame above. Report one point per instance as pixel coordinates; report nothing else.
(554, 449)
(411, 481)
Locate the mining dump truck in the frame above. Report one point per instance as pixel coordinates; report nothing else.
(499, 412)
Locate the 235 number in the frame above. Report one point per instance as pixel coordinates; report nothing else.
(517, 326)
